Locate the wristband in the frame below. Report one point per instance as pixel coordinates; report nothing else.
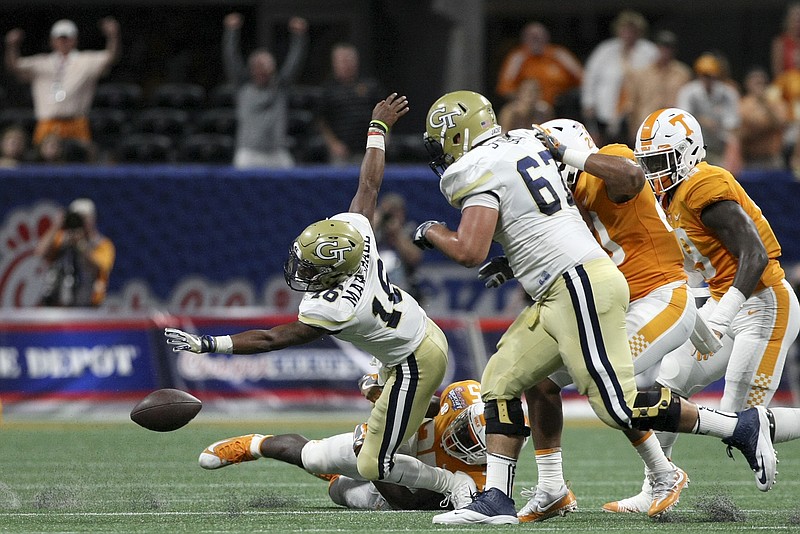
(375, 123)
(576, 158)
(224, 345)
(375, 139)
(727, 308)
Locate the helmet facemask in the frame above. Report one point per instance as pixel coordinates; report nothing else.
(465, 437)
(666, 167)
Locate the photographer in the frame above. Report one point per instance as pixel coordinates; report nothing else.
(393, 233)
(79, 259)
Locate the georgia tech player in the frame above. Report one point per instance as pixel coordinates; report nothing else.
(348, 295)
(453, 439)
(726, 238)
(508, 188)
(628, 223)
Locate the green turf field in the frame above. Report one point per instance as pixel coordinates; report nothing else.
(118, 477)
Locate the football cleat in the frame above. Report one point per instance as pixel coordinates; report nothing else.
(542, 505)
(639, 503)
(231, 451)
(491, 507)
(462, 491)
(753, 436)
(667, 487)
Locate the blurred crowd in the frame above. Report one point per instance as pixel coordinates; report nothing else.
(260, 116)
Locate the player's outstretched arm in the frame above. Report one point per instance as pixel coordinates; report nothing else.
(248, 342)
(384, 116)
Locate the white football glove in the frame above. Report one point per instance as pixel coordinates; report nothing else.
(419, 234)
(181, 340)
(495, 272)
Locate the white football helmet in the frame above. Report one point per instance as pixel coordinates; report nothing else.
(465, 437)
(669, 144)
(571, 134)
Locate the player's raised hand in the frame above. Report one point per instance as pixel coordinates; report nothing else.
(552, 144)
(181, 340)
(390, 109)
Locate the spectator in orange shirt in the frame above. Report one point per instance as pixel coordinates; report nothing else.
(764, 119)
(555, 68)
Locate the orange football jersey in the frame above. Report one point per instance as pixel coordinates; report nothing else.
(635, 234)
(706, 185)
(454, 400)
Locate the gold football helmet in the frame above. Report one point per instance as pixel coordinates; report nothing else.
(323, 256)
(456, 123)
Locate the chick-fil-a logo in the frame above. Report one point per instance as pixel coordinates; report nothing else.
(21, 270)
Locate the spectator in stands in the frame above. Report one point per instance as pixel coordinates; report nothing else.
(764, 119)
(262, 97)
(715, 105)
(787, 85)
(606, 68)
(555, 68)
(63, 82)
(347, 101)
(787, 43)
(655, 86)
(393, 234)
(50, 150)
(12, 146)
(527, 107)
(79, 258)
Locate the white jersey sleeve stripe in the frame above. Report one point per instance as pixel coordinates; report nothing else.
(593, 346)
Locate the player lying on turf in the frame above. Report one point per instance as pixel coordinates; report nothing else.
(452, 439)
(348, 295)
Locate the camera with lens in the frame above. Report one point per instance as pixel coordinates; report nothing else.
(72, 221)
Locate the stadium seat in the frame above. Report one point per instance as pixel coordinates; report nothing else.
(206, 148)
(164, 121)
(179, 95)
(216, 120)
(145, 148)
(222, 96)
(22, 117)
(300, 123)
(125, 96)
(305, 97)
(108, 125)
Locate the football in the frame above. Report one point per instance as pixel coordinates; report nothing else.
(165, 410)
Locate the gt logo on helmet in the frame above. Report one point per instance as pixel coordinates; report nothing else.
(441, 119)
(329, 250)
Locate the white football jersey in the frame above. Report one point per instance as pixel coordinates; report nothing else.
(540, 229)
(367, 309)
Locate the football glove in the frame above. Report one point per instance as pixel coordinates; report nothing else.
(368, 384)
(552, 144)
(419, 234)
(495, 272)
(181, 340)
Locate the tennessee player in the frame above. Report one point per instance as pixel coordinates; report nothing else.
(726, 238)
(453, 439)
(348, 295)
(509, 189)
(628, 223)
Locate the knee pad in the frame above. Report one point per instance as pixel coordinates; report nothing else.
(505, 417)
(656, 409)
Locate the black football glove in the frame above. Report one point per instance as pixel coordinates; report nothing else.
(419, 234)
(552, 144)
(495, 272)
